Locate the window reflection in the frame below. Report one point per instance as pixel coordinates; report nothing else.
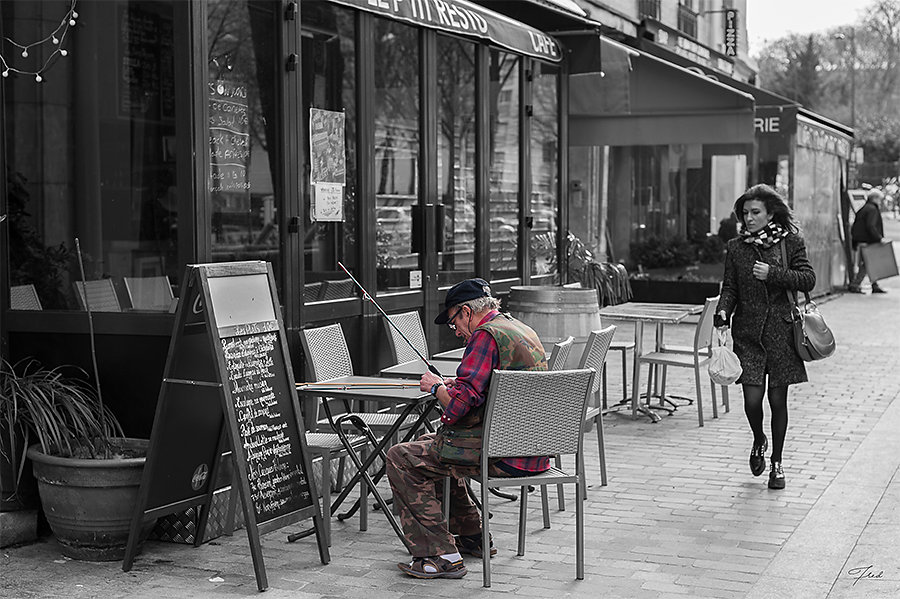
(504, 164)
(328, 70)
(456, 158)
(544, 170)
(91, 155)
(396, 152)
(242, 117)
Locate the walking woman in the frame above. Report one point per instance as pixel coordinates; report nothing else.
(755, 298)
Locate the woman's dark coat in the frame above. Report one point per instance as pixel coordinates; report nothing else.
(760, 311)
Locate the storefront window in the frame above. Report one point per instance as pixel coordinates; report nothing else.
(544, 170)
(504, 165)
(242, 131)
(456, 157)
(328, 69)
(90, 143)
(396, 153)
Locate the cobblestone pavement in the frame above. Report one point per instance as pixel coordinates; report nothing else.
(681, 516)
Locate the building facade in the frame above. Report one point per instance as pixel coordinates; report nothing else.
(416, 144)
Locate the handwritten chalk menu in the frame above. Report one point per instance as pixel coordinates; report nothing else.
(228, 386)
(229, 137)
(278, 484)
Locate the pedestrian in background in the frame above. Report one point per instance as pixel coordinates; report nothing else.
(867, 228)
(755, 300)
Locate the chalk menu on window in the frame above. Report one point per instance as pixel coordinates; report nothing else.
(229, 137)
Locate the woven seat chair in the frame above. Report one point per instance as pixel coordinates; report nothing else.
(337, 289)
(594, 356)
(675, 348)
(312, 291)
(24, 297)
(149, 293)
(535, 413)
(101, 295)
(410, 325)
(696, 360)
(557, 361)
(327, 357)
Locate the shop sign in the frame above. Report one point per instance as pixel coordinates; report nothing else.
(465, 18)
(731, 32)
(774, 120)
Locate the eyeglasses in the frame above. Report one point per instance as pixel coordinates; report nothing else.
(450, 322)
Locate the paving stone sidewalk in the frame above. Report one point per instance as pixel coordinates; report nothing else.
(681, 517)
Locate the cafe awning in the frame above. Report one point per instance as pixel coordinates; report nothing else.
(639, 99)
(465, 18)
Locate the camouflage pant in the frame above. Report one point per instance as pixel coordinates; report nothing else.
(417, 476)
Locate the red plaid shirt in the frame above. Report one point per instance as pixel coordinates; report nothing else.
(473, 378)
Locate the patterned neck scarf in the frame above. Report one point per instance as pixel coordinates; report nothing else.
(766, 237)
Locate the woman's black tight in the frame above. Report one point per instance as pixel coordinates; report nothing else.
(753, 408)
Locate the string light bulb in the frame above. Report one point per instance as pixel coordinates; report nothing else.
(56, 38)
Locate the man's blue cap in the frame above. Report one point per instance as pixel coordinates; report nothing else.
(462, 292)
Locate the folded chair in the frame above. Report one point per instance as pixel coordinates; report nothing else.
(535, 413)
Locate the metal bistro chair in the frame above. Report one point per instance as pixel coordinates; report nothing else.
(411, 325)
(557, 361)
(696, 360)
(535, 413)
(594, 356)
(704, 352)
(327, 444)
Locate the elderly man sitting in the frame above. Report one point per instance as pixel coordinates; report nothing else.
(416, 469)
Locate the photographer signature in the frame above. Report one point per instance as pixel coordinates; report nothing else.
(864, 572)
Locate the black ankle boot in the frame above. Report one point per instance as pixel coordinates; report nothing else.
(758, 457)
(776, 476)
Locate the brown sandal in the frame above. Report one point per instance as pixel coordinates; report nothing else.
(419, 566)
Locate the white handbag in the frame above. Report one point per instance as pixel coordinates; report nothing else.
(724, 366)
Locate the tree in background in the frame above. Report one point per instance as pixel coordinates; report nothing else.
(790, 67)
(859, 61)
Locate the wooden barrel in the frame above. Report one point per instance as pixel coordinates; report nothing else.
(555, 313)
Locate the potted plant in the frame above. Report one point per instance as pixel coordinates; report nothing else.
(88, 473)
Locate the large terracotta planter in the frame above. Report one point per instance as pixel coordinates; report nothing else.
(89, 503)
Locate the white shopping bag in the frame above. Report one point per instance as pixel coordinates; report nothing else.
(724, 365)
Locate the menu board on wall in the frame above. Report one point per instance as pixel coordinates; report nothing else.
(145, 64)
(228, 386)
(229, 137)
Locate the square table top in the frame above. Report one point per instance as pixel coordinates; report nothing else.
(650, 312)
(371, 388)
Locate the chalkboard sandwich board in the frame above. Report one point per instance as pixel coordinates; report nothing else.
(228, 386)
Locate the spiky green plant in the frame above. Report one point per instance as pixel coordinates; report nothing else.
(62, 413)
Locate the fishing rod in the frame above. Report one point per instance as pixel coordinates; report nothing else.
(367, 296)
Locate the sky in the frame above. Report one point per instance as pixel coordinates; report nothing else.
(768, 20)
